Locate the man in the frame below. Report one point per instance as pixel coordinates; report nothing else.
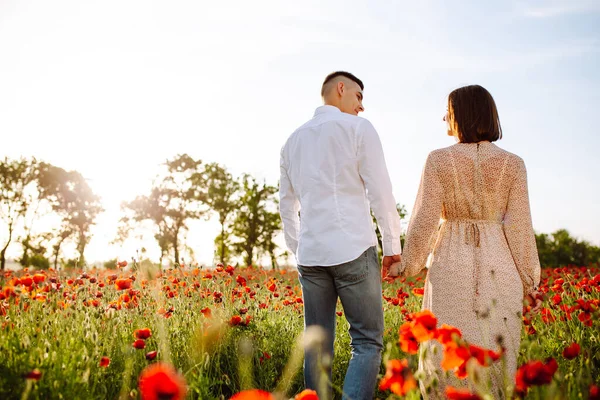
(332, 169)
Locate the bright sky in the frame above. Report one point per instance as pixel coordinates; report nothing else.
(114, 88)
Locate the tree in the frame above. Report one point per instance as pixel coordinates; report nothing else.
(224, 248)
(74, 201)
(271, 226)
(220, 195)
(252, 224)
(544, 244)
(34, 251)
(60, 235)
(17, 186)
(175, 198)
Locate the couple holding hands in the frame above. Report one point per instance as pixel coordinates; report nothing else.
(470, 227)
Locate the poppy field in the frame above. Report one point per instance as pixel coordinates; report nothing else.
(192, 332)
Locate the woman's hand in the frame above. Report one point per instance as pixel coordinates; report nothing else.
(534, 299)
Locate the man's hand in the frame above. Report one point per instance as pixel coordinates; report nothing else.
(386, 263)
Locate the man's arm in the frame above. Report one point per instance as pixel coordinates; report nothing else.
(289, 206)
(373, 171)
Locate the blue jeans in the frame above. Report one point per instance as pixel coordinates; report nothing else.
(358, 285)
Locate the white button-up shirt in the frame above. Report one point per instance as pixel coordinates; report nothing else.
(326, 165)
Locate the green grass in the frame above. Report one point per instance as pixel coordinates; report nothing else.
(65, 339)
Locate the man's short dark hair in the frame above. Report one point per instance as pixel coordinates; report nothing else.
(336, 74)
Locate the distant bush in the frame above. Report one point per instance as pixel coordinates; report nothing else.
(39, 261)
(111, 264)
(560, 249)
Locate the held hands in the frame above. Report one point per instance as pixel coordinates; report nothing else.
(534, 299)
(390, 266)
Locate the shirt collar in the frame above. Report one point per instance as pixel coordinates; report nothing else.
(327, 109)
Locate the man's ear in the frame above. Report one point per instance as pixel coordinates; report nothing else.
(340, 88)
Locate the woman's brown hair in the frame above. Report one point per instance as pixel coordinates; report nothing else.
(472, 115)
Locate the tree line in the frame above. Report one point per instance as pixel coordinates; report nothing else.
(561, 249)
(185, 190)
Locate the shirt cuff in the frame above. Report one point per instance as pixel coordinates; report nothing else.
(392, 247)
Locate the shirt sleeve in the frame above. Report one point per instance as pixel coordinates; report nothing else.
(373, 171)
(289, 207)
(519, 233)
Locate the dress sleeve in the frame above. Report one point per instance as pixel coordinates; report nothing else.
(424, 220)
(518, 230)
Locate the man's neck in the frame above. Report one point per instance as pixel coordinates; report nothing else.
(331, 101)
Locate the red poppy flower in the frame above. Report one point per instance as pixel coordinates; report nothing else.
(455, 359)
(447, 334)
(26, 281)
(423, 326)
(151, 355)
(594, 392)
(556, 299)
(206, 312)
(535, 373)
(139, 344)
(307, 394)
(34, 375)
(547, 316)
(585, 318)
(123, 284)
(572, 351)
(9, 291)
(407, 340)
(530, 330)
(161, 381)
(418, 291)
(339, 313)
(484, 357)
(235, 320)
(253, 394)
(265, 356)
(587, 306)
(460, 394)
(104, 362)
(39, 278)
(240, 280)
(143, 333)
(398, 378)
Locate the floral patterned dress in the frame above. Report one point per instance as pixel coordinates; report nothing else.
(471, 224)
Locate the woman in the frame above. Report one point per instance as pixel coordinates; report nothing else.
(484, 259)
